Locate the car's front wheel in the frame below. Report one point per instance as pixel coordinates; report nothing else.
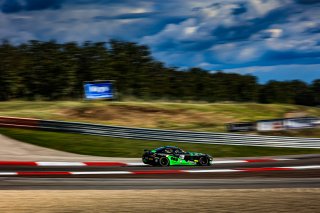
(204, 161)
(163, 161)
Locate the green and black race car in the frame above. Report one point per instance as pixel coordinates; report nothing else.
(173, 156)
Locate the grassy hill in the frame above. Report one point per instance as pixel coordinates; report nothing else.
(182, 116)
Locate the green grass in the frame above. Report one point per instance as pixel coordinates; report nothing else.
(116, 147)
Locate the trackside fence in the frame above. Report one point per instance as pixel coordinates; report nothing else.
(162, 135)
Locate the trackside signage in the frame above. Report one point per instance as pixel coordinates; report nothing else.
(98, 90)
(270, 125)
(300, 123)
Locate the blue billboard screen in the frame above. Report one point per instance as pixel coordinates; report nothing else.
(97, 90)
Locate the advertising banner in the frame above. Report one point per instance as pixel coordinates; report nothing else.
(270, 125)
(98, 90)
(241, 127)
(300, 123)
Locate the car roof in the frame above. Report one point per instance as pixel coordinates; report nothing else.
(165, 147)
(169, 147)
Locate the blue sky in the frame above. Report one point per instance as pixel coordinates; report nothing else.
(272, 39)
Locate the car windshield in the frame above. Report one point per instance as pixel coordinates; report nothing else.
(160, 149)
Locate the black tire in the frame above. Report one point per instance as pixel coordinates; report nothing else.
(145, 161)
(163, 161)
(203, 161)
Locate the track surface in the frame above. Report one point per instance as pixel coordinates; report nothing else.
(12, 150)
(258, 179)
(125, 184)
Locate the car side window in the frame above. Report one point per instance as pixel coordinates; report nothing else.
(168, 151)
(178, 151)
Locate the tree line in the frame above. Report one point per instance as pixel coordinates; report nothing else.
(55, 71)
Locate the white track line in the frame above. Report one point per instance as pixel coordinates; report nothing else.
(153, 172)
(8, 173)
(303, 167)
(60, 164)
(136, 164)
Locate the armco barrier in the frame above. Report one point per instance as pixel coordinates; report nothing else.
(19, 122)
(179, 136)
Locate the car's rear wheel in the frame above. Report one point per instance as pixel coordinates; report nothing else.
(203, 161)
(163, 161)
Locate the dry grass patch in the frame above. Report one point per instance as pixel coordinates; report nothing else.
(141, 116)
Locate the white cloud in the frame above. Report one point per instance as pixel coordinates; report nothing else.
(223, 38)
(233, 53)
(262, 7)
(8, 30)
(188, 30)
(275, 33)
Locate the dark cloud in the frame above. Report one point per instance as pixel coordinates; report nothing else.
(308, 1)
(292, 55)
(151, 23)
(314, 30)
(95, 1)
(13, 6)
(196, 45)
(286, 58)
(126, 16)
(43, 4)
(245, 31)
(242, 8)
(104, 2)
(228, 34)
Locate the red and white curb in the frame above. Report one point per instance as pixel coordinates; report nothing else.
(32, 163)
(122, 164)
(158, 172)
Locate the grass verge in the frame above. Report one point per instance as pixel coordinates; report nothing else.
(118, 147)
(162, 115)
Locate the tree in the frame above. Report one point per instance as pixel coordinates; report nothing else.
(8, 71)
(52, 71)
(315, 89)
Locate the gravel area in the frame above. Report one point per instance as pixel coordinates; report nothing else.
(181, 200)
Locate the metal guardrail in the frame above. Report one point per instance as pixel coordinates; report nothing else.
(180, 136)
(162, 135)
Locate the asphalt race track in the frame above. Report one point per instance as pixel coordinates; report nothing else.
(253, 175)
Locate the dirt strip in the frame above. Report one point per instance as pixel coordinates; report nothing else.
(179, 200)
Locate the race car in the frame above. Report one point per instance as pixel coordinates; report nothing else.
(174, 156)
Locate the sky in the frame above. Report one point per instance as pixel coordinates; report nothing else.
(271, 39)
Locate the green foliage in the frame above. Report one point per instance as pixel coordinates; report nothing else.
(118, 147)
(52, 71)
